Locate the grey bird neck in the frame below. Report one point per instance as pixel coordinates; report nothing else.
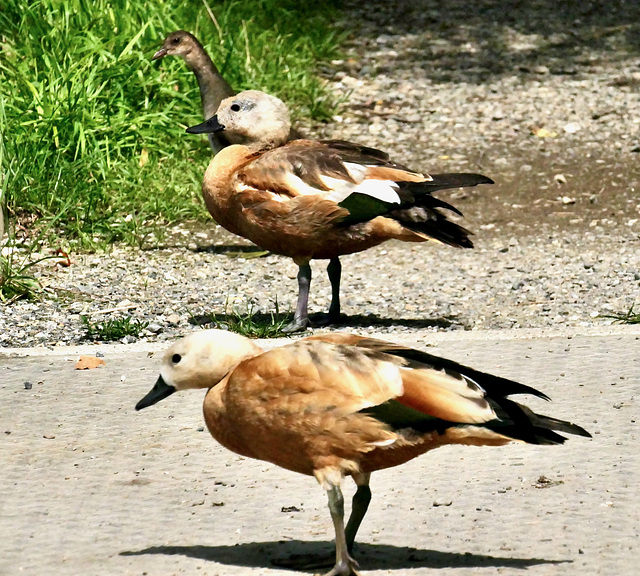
(213, 90)
(213, 87)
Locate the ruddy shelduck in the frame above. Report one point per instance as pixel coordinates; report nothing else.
(317, 200)
(341, 405)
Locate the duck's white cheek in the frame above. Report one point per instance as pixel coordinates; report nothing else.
(167, 374)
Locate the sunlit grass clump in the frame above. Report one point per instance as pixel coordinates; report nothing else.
(246, 322)
(113, 328)
(92, 132)
(628, 317)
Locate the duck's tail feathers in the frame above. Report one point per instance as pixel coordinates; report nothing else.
(513, 420)
(434, 226)
(453, 180)
(521, 423)
(420, 193)
(494, 386)
(420, 211)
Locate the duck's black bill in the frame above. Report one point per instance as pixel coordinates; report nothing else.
(159, 54)
(160, 391)
(211, 125)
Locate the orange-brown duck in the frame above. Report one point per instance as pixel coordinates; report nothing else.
(341, 405)
(317, 199)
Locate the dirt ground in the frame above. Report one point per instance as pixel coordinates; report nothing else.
(542, 96)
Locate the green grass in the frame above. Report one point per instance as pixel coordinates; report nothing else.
(628, 317)
(92, 132)
(16, 282)
(113, 329)
(17, 263)
(247, 323)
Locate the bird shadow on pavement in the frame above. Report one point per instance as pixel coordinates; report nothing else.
(355, 321)
(367, 320)
(230, 250)
(369, 556)
(234, 250)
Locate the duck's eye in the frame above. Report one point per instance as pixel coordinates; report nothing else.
(176, 40)
(176, 358)
(235, 107)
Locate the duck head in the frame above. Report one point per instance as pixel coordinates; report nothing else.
(200, 360)
(252, 118)
(178, 43)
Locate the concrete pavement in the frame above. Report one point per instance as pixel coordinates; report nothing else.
(90, 487)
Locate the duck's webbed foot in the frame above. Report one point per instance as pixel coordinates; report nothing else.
(346, 567)
(296, 325)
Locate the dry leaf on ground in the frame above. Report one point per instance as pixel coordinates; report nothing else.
(89, 362)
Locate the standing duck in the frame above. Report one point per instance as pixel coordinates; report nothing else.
(317, 199)
(341, 405)
(213, 87)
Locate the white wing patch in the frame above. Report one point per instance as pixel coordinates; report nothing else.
(298, 187)
(356, 171)
(275, 196)
(339, 189)
(385, 190)
(382, 443)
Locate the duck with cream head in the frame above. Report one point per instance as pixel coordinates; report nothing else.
(318, 199)
(341, 405)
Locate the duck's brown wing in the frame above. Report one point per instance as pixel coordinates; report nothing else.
(300, 167)
(363, 182)
(351, 152)
(456, 393)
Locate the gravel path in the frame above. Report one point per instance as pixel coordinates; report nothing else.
(542, 98)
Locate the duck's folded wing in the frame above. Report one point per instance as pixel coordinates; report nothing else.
(361, 378)
(493, 385)
(299, 168)
(436, 386)
(350, 152)
(361, 181)
(334, 173)
(428, 392)
(311, 375)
